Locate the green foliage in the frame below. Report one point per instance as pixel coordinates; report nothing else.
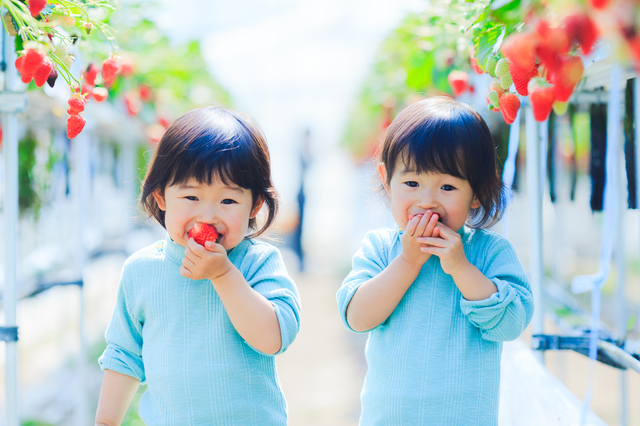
(415, 60)
(28, 198)
(176, 73)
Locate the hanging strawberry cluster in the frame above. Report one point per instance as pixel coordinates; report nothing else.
(45, 32)
(543, 63)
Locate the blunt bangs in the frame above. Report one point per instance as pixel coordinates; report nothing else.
(211, 154)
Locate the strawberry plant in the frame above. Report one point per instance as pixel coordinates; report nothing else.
(50, 34)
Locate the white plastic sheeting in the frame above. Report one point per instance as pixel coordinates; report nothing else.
(531, 395)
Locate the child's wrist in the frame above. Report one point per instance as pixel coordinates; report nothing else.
(224, 274)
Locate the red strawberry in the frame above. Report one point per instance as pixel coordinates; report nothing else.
(458, 81)
(509, 106)
(76, 104)
(521, 79)
(566, 77)
(145, 92)
(42, 72)
(541, 97)
(552, 42)
(36, 6)
(520, 50)
(599, 4)
(75, 124)
(53, 76)
(110, 70)
(32, 60)
(87, 91)
(90, 74)
(100, 93)
(581, 29)
(203, 232)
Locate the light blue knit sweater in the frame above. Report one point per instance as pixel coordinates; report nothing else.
(174, 334)
(436, 359)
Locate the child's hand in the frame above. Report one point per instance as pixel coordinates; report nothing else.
(419, 226)
(448, 247)
(204, 263)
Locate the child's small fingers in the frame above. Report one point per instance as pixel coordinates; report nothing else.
(422, 225)
(433, 221)
(185, 272)
(436, 232)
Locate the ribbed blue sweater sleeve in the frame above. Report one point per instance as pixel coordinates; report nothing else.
(124, 335)
(268, 276)
(505, 314)
(368, 261)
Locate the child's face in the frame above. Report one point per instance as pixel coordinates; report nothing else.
(414, 193)
(228, 208)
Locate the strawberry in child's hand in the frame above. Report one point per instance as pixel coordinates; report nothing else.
(541, 97)
(42, 73)
(458, 80)
(203, 232)
(36, 6)
(509, 106)
(75, 124)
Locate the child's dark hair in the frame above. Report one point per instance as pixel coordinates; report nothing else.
(440, 135)
(212, 143)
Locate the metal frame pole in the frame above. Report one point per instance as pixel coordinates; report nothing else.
(536, 267)
(10, 213)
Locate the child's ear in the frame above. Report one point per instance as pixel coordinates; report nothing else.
(159, 197)
(256, 207)
(382, 170)
(475, 203)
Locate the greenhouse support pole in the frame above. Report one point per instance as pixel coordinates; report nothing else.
(10, 213)
(81, 146)
(619, 253)
(536, 268)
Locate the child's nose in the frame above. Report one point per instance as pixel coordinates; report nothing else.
(208, 214)
(427, 201)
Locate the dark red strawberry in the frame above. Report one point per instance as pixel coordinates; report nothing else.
(53, 76)
(75, 124)
(203, 232)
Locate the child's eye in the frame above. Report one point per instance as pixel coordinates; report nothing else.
(448, 187)
(191, 198)
(228, 201)
(411, 184)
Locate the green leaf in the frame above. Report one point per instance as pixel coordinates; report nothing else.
(485, 42)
